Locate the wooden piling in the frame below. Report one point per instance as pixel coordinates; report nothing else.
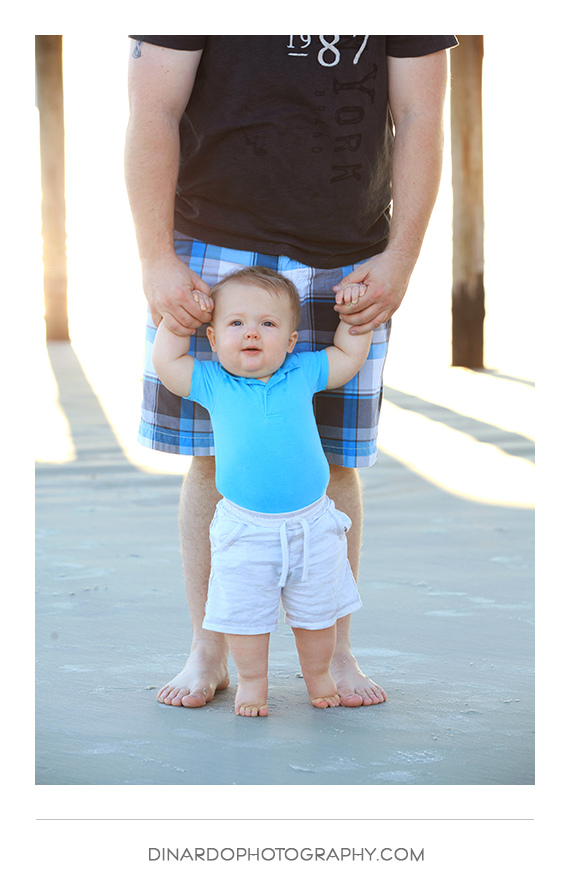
(468, 292)
(49, 81)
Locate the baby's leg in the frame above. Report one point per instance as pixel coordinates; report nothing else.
(315, 649)
(251, 655)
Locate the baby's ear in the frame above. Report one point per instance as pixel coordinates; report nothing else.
(292, 340)
(211, 337)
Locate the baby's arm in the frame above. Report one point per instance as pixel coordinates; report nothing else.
(349, 351)
(171, 363)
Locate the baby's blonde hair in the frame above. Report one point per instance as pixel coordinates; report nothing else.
(273, 282)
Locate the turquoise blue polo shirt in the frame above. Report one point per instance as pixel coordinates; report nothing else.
(269, 456)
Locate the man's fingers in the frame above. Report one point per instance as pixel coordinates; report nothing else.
(366, 328)
(169, 285)
(155, 315)
(183, 330)
(364, 319)
(197, 283)
(359, 312)
(187, 314)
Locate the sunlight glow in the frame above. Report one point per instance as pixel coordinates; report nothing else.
(53, 444)
(455, 461)
(506, 404)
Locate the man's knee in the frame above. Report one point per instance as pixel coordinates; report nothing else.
(344, 476)
(199, 488)
(346, 491)
(202, 468)
(340, 472)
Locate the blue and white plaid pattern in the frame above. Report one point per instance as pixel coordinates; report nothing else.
(347, 418)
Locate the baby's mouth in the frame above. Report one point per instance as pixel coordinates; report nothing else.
(252, 350)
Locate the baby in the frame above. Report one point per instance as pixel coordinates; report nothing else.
(276, 536)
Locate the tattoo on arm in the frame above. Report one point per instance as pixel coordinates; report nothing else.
(137, 50)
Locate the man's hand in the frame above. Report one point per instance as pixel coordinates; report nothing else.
(168, 285)
(386, 277)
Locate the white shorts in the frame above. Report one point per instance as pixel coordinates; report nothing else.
(260, 559)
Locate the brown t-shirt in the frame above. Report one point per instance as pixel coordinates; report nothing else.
(286, 143)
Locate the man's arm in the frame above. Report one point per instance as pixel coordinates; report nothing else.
(160, 84)
(416, 93)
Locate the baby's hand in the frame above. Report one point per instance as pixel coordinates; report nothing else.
(351, 293)
(204, 301)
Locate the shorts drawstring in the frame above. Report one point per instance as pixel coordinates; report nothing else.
(258, 566)
(285, 552)
(284, 555)
(283, 522)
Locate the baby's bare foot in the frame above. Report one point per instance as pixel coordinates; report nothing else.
(251, 698)
(322, 690)
(331, 701)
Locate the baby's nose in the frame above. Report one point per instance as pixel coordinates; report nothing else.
(252, 331)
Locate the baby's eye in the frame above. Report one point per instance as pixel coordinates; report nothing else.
(235, 323)
(269, 324)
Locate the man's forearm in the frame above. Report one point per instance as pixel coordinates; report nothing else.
(416, 174)
(160, 86)
(416, 93)
(152, 155)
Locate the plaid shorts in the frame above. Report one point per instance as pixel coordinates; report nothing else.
(347, 418)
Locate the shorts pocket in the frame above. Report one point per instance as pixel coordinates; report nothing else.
(224, 532)
(343, 522)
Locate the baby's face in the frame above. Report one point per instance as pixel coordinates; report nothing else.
(251, 331)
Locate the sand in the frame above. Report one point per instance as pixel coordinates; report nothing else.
(446, 628)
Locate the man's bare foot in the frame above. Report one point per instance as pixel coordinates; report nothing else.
(251, 698)
(354, 687)
(203, 674)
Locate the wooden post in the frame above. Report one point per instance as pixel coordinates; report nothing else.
(49, 80)
(468, 293)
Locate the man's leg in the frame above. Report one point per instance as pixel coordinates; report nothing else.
(206, 669)
(355, 688)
